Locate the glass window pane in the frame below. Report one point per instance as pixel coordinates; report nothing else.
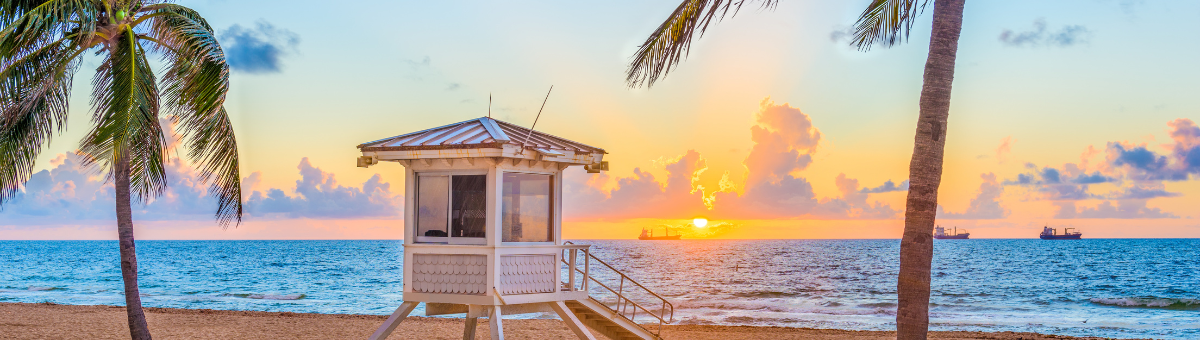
(468, 213)
(432, 203)
(526, 213)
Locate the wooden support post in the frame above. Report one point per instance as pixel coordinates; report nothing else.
(495, 323)
(394, 320)
(469, 332)
(573, 322)
(571, 267)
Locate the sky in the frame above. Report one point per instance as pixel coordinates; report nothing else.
(1075, 113)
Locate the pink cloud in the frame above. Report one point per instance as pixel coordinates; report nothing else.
(784, 140)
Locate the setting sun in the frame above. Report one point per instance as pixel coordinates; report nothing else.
(700, 222)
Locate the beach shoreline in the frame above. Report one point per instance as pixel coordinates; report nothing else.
(56, 321)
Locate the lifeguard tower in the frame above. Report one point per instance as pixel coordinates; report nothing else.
(483, 233)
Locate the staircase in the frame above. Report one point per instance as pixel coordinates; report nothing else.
(606, 321)
(615, 319)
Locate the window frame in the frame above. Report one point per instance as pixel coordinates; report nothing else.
(449, 239)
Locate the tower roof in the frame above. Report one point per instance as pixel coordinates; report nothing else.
(482, 132)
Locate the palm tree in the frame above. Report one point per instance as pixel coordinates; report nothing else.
(41, 48)
(886, 22)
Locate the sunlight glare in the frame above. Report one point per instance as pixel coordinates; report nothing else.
(700, 222)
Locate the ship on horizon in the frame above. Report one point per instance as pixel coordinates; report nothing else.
(649, 235)
(940, 233)
(1049, 233)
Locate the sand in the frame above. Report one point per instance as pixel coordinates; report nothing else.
(51, 321)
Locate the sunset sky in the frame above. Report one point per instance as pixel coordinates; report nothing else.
(1067, 113)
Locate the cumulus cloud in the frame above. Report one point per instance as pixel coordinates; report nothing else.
(985, 205)
(888, 186)
(1039, 36)
(71, 192)
(1125, 209)
(784, 140)
(1069, 183)
(318, 195)
(1138, 171)
(640, 195)
(258, 49)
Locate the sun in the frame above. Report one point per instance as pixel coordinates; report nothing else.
(700, 222)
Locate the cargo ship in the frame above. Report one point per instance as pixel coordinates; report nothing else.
(940, 233)
(1049, 233)
(649, 235)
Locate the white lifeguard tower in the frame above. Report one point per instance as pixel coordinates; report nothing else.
(483, 233)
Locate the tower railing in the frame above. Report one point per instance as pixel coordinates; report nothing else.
(623, 292)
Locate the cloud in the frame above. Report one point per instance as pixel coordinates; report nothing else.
(985, 205)
(784, 139)
(1039, 36)
(1138, 172)
(1124, 210)
(318, 195)
(888, 186)
(258, 50)
(842, 35)
(640, 195)
(1004, 150)
(1138, 162)
(71, 192)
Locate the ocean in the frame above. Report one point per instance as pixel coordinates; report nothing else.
(1120, 288)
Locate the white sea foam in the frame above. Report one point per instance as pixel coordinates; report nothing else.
(268, 296)
(1149, 302)
(276, 297)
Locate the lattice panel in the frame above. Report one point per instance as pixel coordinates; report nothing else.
(450, 274)
(527, 274)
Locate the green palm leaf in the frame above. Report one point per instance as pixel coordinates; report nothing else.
(886, 22)
(194, 89)
(34, 93)
(670, 43)
(125, 110)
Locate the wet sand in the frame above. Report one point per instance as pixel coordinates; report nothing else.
(51, 321)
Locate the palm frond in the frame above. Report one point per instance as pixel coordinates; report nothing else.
(194, 88)
(34, 93)
(125, 111)
(887, 22)
(670, 43)
(10, 10)
(49, 21)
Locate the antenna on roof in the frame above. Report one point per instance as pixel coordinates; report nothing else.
(535, 120)
(489, 105)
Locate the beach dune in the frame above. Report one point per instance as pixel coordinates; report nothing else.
(52, 321)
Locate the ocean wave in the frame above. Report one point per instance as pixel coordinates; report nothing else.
(773, 307)
(42, 289)
(766, 294)
(268, 296)
(1150, 302)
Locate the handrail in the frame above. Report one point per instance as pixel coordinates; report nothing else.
(623, 302)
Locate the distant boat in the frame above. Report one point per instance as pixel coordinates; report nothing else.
(649, 235)
(940, 233)
(1049, 233)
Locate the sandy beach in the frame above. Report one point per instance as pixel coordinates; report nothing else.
(51, 321)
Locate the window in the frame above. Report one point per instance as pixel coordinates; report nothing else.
(468, 216)
(527, 208)
(451, 206)
(432, 194)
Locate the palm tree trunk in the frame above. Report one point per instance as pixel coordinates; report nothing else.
(925, 173)
(138, 330)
